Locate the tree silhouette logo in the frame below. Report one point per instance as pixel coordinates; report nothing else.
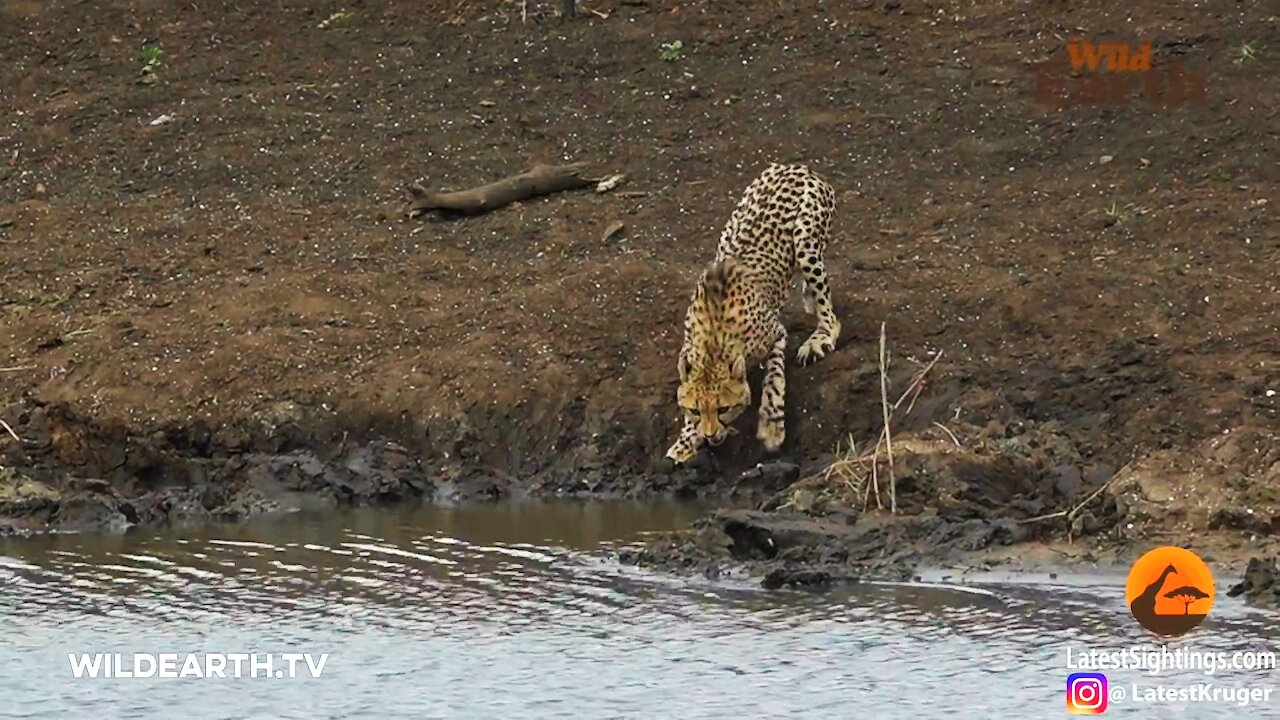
(1169, 590)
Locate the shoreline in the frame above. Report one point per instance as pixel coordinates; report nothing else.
(778, 525)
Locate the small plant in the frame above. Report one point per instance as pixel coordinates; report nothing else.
(671, 51)
(339, 18)
(1245, 53)
(1118, 214)
(149, 55)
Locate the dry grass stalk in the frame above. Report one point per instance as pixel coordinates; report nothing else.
(947, 430)
(17, 368)
(888, 434)
(12, 434)
(875, 476)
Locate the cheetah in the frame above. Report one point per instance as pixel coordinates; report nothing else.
(778, 230)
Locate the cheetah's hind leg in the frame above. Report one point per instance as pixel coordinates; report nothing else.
(823, 340)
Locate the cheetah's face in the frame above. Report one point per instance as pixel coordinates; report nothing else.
(713, 395)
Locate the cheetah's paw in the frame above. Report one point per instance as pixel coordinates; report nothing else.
(772, 434)
(814, 349)
(682, 452)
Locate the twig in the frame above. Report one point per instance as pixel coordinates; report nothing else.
(18, 368)
(947, 430)
(1073, 512)
(610, 182)
(1038, 518)
(12, 434)
(614, 228)
(916, 382)
(888, 434)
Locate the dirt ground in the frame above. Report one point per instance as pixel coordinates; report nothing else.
(212, 303)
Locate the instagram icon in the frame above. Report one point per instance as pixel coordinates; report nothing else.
(1086, 693)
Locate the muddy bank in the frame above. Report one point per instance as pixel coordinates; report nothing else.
(71, 473)
(983, 507)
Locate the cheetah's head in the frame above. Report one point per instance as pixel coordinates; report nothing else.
(713, 392)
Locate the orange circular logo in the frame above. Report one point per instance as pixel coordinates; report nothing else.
(1169, 590)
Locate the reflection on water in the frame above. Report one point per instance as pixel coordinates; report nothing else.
(497, 611)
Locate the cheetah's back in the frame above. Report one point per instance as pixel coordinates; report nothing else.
(785, 207)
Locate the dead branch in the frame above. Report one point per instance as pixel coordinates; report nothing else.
(537, 181)
(12, 434)
(17, 368)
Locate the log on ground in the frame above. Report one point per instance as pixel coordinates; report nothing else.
(537, 181)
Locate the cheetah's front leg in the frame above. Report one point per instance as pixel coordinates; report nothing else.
(686, 446)
(772, 428)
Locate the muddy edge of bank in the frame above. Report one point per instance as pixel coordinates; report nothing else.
(788, 525)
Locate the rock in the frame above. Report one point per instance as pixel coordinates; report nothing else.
(245, 505)
(801, 577)
(1086, 523)
(767, 478)
(90, 513)
(1239, 518)
(22, 497)
(1259, 584)
(1067, 480)
(977, 534)
(89, 485)
(757, 535)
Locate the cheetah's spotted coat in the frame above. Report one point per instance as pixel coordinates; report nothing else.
(779, 229)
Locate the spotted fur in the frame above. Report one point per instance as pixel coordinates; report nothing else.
(778, 230)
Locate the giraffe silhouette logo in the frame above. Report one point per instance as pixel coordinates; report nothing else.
(1169, 590)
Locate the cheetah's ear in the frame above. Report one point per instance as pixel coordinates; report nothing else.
(739, 368)
(684, 366)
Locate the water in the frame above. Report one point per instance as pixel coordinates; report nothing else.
(507, 611)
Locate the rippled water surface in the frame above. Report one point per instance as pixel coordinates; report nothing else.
(511, 611)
